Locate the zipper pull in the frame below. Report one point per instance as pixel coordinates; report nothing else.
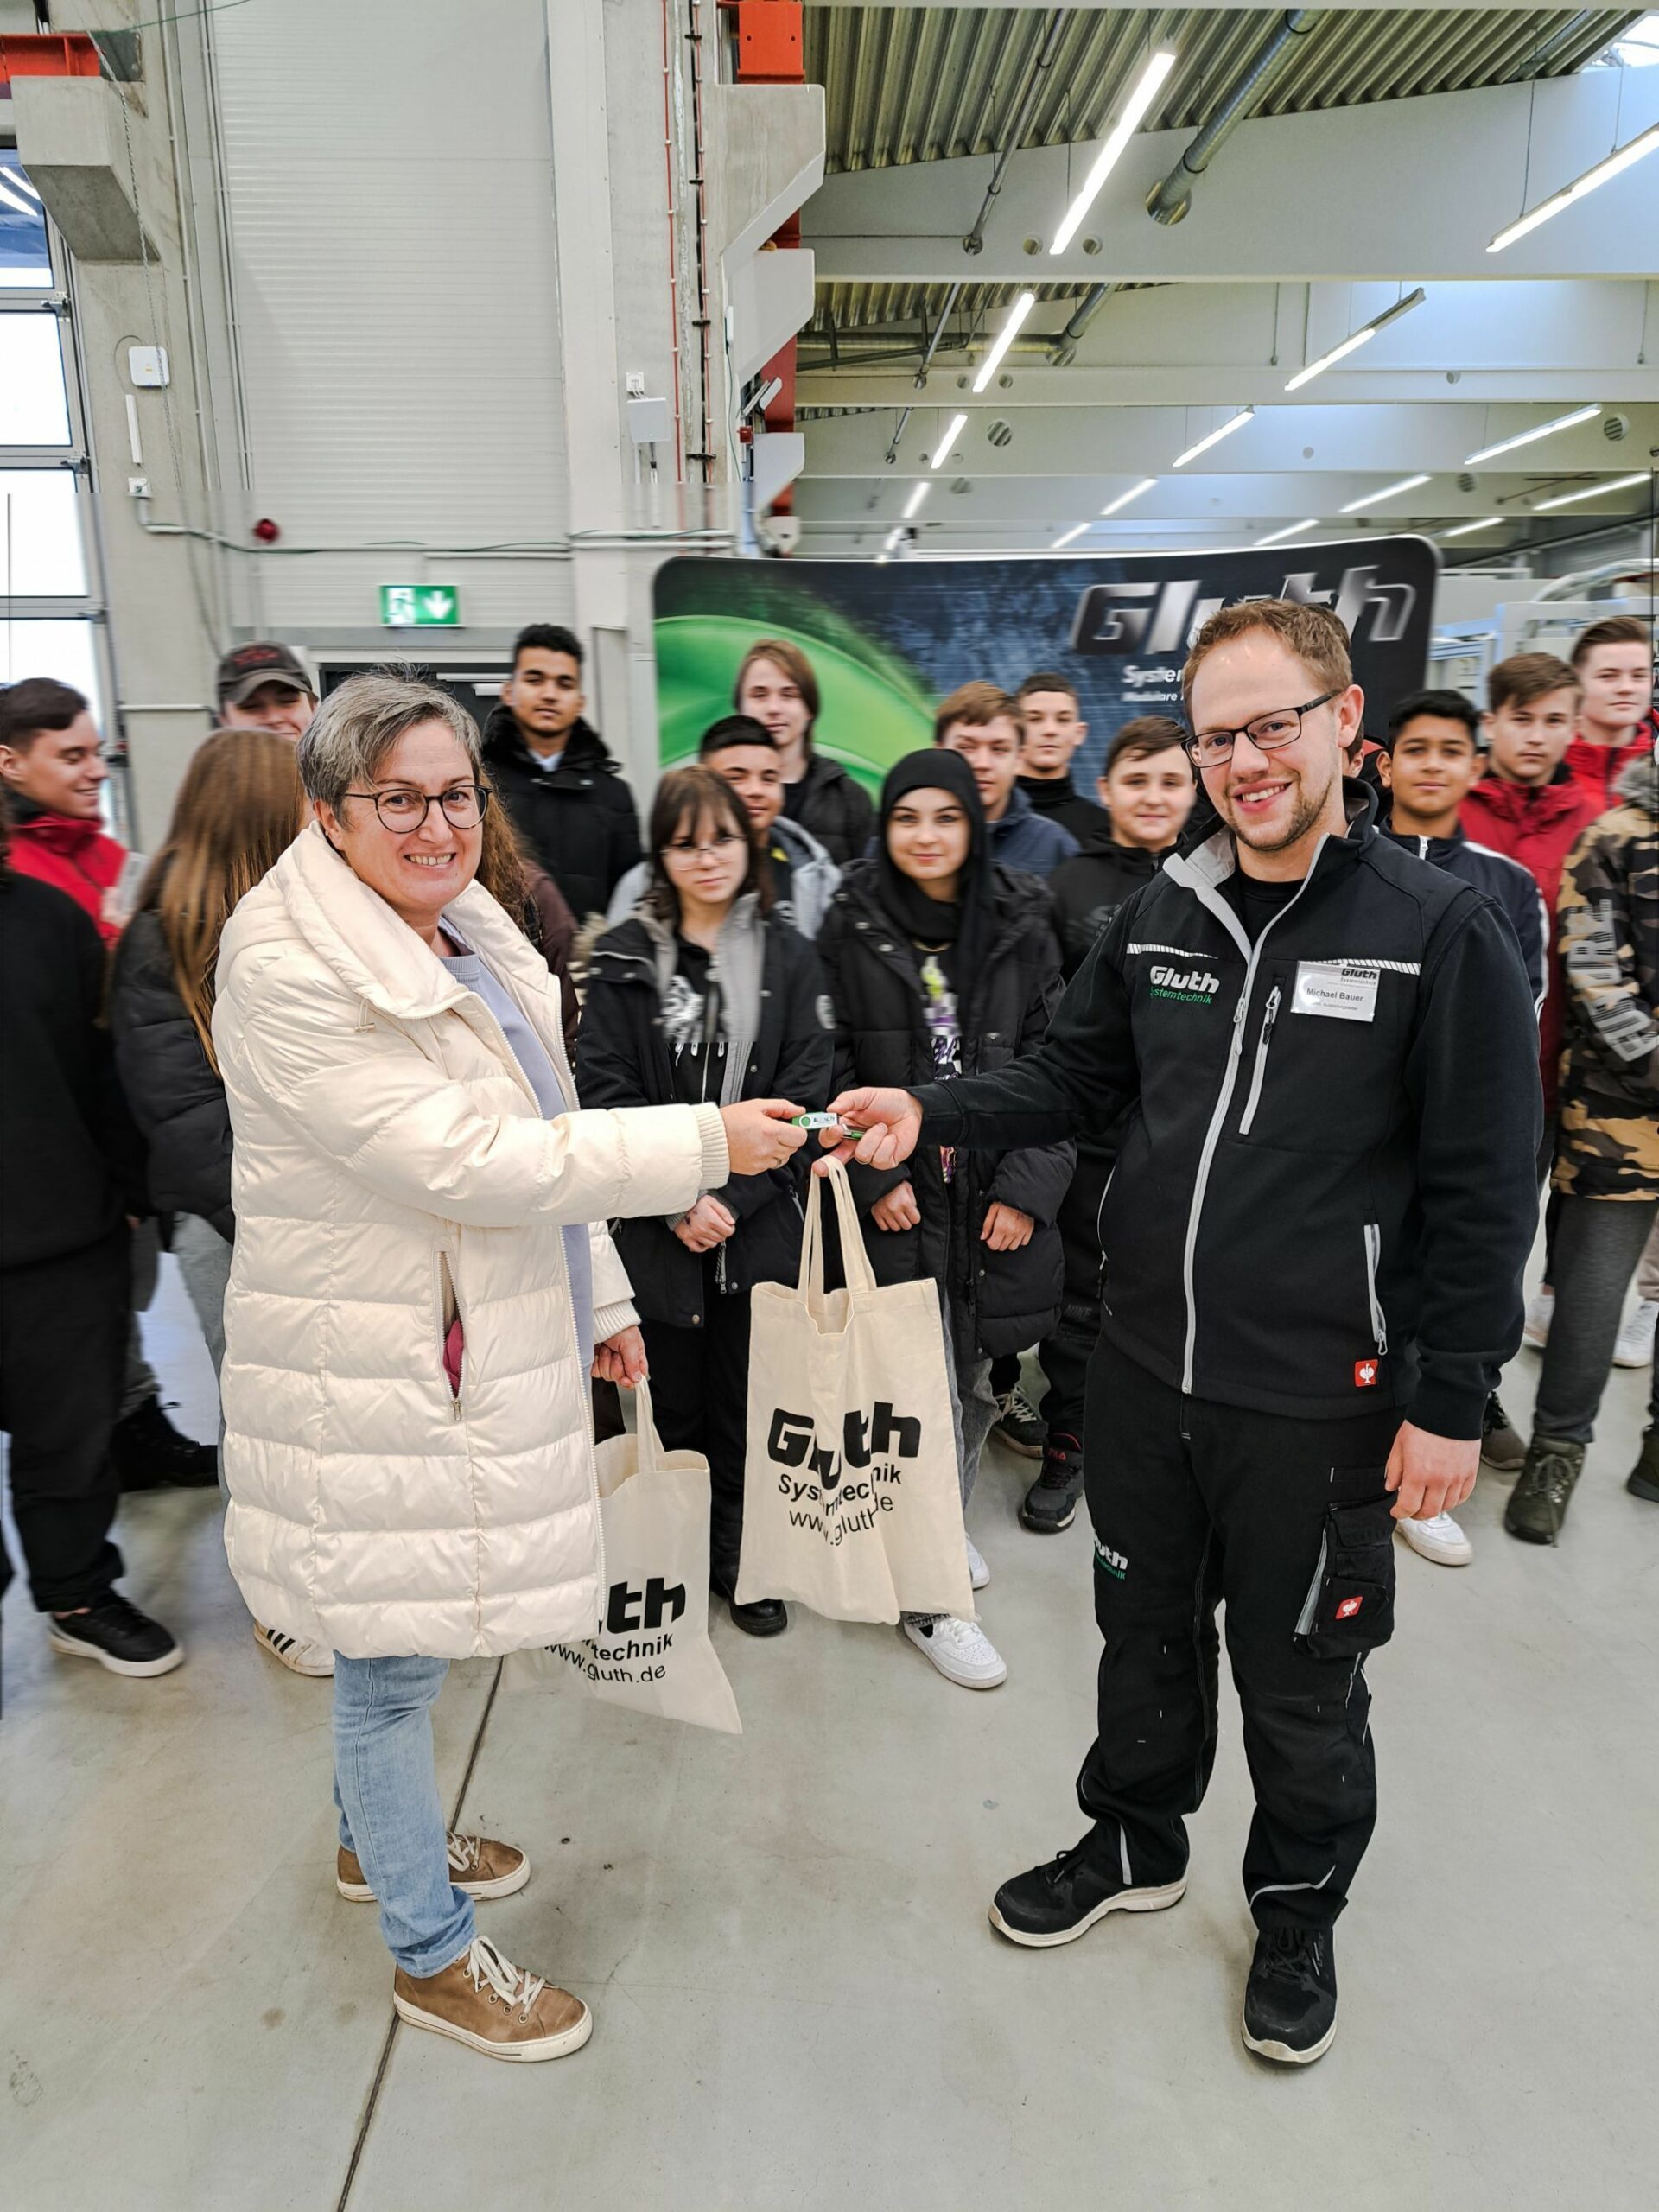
(1272, 1015)
(457, 1414)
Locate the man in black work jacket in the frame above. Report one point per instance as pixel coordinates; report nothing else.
(565, 794)
(1313, 1244)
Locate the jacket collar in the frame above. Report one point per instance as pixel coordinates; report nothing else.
(800, 846)
(59, 833)
(378, 958)
(504, 741)
(1204, 867)
(1018, 807)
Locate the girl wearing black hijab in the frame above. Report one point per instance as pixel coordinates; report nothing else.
(939, 964)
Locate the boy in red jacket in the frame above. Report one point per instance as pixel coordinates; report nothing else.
(1613, 661)
(52, 763)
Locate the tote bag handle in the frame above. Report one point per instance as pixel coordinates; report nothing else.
(647, 1445)
(854, 1260)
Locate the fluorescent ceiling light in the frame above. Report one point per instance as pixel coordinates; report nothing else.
(913, 503)
(1296, 529)
(1603, 172)
(1525, 437)
(1146, 91)
(894, 539)
(1134, 492)
(1594, 492)
(1237, 423)
(1363, 336)
(1066, 538)
(1389, 491)
(1004, 338)
(1463, 529)
(957, 424)
(10, 197)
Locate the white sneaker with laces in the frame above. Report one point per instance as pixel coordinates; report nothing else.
(960, 1649)
(1635, 1345)
(300, 1657)
(1439, 1539)
(979, 1575)
(1540, 1311)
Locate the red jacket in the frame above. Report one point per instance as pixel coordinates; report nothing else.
(1537, 825)
(1597, 768)
(79, 857)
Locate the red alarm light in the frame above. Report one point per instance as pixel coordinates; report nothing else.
(267, 531)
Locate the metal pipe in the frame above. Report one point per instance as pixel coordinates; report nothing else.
(945, 312)
(1063, 347)
(1169, 200)
(1044, 61)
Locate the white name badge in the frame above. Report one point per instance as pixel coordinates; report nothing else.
(1343, 989)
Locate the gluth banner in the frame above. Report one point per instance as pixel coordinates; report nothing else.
(886, 644)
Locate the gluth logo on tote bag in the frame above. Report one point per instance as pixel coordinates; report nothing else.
(852, 1504)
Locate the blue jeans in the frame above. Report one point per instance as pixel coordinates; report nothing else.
(386, 1787)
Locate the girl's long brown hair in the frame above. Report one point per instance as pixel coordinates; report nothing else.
(239, 809)
(504, 867)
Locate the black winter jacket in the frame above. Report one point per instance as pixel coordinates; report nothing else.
(1088, 890)
(1512, 889)
(1000, 1301)
(1324, 1198)
(1059, 798)
(72, 1162)
(578, 818)
(176, 1099)
(623, 1061)
(834, 807)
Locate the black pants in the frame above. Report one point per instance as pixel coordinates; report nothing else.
(63, 1349)
(1287, 1521)
(699, 1389)
(1065, 1353)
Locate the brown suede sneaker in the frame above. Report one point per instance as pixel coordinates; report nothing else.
(496, 2008)
(478, 1868)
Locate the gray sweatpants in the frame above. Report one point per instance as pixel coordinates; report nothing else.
(139, 1381)
(1598, 1242)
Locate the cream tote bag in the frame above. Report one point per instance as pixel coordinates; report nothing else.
(851, 1499)
(652, 1653)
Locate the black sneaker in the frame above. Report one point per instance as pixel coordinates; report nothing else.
(1643, 1481)
(1051, 1503)
(1501, 1448)
(117, 1635)
(1057, 1903)
(150, 1454)
(1020, 1425)
(1290, 2000)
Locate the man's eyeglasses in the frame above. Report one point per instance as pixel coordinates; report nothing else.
(402, 809)
(1209, 748)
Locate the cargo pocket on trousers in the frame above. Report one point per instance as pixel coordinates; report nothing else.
(1349, 1608)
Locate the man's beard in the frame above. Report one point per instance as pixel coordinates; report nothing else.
(1305, 813)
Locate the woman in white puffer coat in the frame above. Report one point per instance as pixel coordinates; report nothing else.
(421, 1285)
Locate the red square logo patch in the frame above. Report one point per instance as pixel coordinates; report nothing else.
(1347, 1608)
(1364, 1375)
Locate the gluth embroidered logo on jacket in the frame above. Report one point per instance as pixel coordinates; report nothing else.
(1189, 986)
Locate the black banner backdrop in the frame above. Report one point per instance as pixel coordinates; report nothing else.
(888, 642)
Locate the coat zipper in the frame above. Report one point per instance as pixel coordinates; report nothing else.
(1261, 1043)
(447, 1296)
(1373, 1261)
(1311, 1603)
(1207, 896)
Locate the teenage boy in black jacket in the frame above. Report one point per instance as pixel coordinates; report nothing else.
(1315, 1242)
(71, 1176)
(566, 795)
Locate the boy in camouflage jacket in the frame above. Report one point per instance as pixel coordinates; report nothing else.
(1607, 1160)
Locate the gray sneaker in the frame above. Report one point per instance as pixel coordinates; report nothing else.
(1538, 1503)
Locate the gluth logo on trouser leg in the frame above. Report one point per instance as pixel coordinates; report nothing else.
(1110, 1562)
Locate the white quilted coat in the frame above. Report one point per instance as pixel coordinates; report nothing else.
(392, 1166)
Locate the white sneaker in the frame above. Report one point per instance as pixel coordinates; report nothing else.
(1540, 1310)
(1635, 1345)
(301, 1657)
(960, 1649)
(979, 1575)
(1439, 1539)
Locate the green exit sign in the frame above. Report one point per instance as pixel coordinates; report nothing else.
(419, 607)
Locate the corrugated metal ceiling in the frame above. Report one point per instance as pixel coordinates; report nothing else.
(924, 84)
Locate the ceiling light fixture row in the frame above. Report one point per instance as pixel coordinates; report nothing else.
(1356, 338)
(1146, 88)
(1594, 490)
(1234, 423)
(1389, 491)
(914, 504)
(1529, 437)
(1004, 338)
(1296, 530)
(1622, 158)
(1467, 529)
(954, 430)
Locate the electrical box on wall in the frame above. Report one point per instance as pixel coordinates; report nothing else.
(648, 421)
(147, 366)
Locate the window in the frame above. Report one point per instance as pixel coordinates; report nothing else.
(25, 257)
(40, 555)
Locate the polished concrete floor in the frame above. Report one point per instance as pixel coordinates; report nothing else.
(800, 2005)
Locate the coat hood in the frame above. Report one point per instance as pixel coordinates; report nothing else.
(1638, 785)
(584, 748)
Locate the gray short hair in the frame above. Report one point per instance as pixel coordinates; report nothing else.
(357, 726)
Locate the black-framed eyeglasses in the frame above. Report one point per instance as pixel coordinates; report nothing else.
(685, 848)
(1209, 748)
(404, 810)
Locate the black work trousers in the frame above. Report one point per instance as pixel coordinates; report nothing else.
(699, 1389)
(63, 1351)
(1288, 1522)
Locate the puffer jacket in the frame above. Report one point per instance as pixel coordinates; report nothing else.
(1000, 1301)
(391, 1168)
(833, 807)
(1609, 921)
(176, 1099)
